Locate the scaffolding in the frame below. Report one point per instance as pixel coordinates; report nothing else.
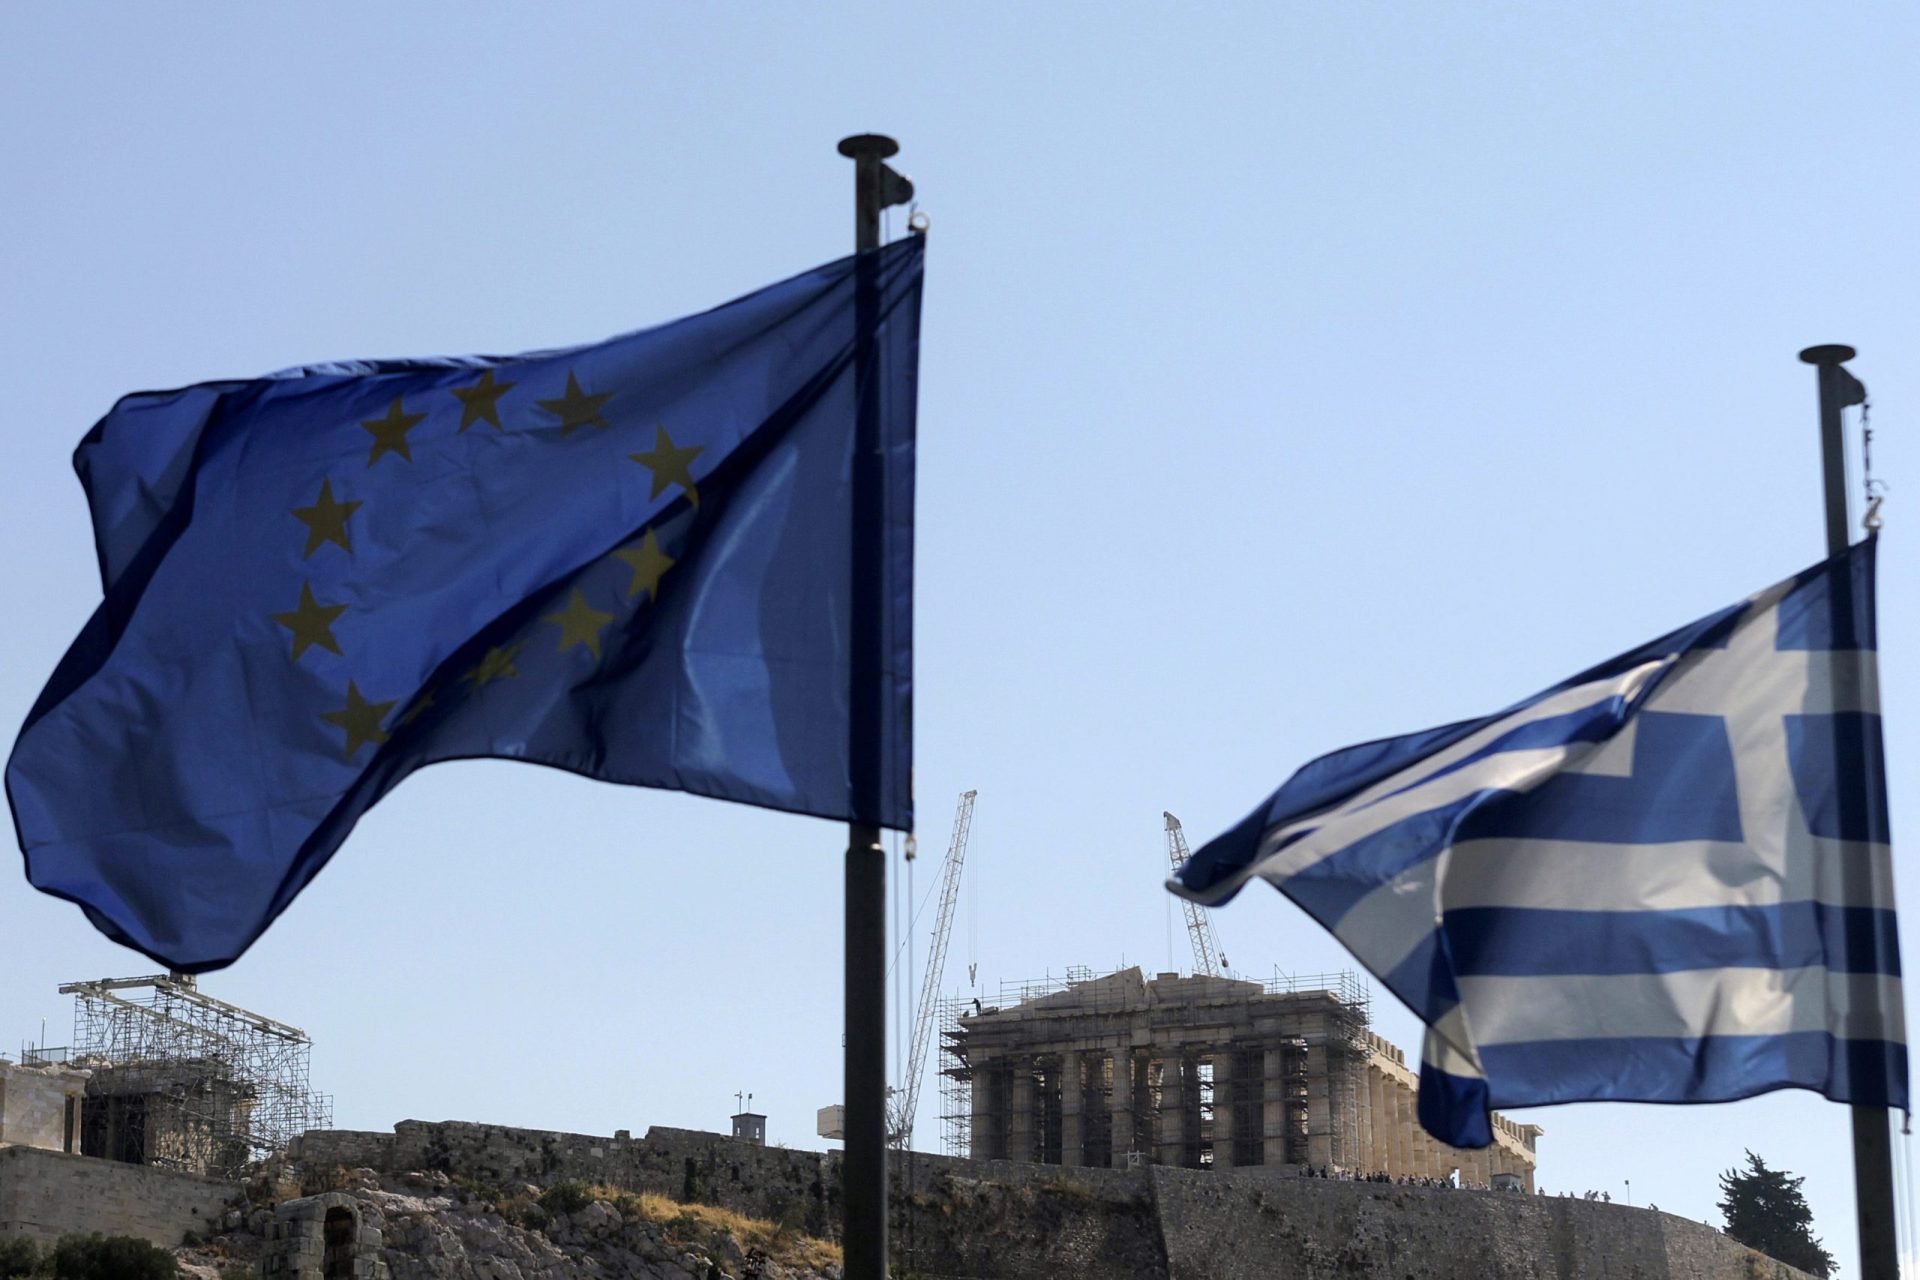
(1188, 1102)
(186, 1081)
(956, 1095)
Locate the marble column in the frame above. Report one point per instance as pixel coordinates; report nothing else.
(1073, 1093)
(1319, 1107)
(1122, 1106)
(1223, 1110)
(1382, 1121)
(1359, 1156)
(1402, 1130)
(983, 1131)
(1273, 1107)
(1430, 1153)
(1020, 1112)
(1481, 1167)
(1172, 1138)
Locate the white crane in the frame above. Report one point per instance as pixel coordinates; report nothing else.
(1208, 959)
(903, 1101)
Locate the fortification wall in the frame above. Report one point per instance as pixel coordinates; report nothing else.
(1240, 1225)
(766, 1182)
(1019, 1220)
(47, 1194)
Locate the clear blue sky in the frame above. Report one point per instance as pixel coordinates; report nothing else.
(1294, 374)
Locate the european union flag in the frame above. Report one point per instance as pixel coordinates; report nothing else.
(1668, 879)
(629, 560)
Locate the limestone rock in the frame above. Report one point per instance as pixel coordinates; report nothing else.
(418, 1227)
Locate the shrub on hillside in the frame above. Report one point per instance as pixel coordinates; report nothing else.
(563, 1198)
(19, 1256)
(98, 1257)
(693, 1188)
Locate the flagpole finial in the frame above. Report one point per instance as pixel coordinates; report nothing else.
(862, 146)
(1826, 353)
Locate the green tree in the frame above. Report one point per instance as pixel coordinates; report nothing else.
(19, 1256)
(98, 1257)
(1764, 1210)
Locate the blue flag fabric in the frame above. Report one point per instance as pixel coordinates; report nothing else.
(630, 560)
(1668, 879)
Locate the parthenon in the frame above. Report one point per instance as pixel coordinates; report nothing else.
(1200, 1072)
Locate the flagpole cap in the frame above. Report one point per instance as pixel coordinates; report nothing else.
(865, 146)
(1828, 353)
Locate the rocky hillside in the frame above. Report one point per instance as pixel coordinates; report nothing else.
(483, 1202)
(433, 1226)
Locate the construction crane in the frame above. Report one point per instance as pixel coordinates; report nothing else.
(903, 1101)
(1208, 959)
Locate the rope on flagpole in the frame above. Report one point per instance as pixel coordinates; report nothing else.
(1876, 490)
(1909, 1245)
(1902, 1210)
(900, 899)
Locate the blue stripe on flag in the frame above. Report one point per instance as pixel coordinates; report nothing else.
(1459, 1107)
(1681, 788)
(1696, 1069)
(1824, 749)
(1594, 723)
(1328, 889)
(1325, 782)
(1424, 979)
(1529, 942)
(1808, 618)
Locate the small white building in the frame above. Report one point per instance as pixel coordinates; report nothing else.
(41, 1104)
(750, 1126)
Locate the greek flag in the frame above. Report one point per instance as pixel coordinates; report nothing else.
(1667, 879)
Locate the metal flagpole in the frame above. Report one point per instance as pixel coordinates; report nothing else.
(864, 1173)
(1872, 1141)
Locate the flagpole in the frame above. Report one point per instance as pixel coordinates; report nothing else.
(1872, 1140)
(864, 1171)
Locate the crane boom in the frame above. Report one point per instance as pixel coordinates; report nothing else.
(901, 1126)
(1207, 957)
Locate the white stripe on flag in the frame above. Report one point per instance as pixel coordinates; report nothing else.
(1419, 790)
(1442, 1047)
(1572, 875)
(1686, 1004)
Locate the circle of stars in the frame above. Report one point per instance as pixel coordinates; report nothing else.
(328, 522)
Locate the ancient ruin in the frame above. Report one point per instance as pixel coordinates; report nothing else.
(160, 1073)
(1198, 1072)
(42, 1104)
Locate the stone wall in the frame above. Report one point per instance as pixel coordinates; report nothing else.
(321, 1236)
(1239, 1226)
(40, 1106)
(765, 1182)
(1017, 1220)
(45, 1194)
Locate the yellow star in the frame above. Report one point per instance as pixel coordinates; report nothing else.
(649, 563)
(497, 665)
(420, 704)
(669, 464)
(390, 433)
(580, 623)
(481, 401)
(326, 520)
(311, 623)
(360, 718)
(576, 408)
